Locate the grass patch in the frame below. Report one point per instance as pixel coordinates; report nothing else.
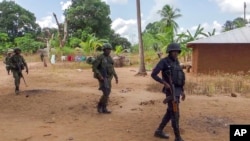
(212, 84)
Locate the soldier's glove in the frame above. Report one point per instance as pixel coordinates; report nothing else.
(27, 71)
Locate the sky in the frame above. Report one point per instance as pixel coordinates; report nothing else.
(209, 14)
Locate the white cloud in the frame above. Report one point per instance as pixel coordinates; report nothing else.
(47, 22)
(126, 28)
(65, 5)
(232, 6)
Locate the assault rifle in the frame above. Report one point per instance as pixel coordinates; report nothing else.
(20, 67)
(173, 96)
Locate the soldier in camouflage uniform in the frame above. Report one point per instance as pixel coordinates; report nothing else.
(7, 60)
(173, 80)
(103, 68)
(17, 64)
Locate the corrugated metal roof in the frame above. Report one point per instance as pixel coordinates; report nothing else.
(239, 35)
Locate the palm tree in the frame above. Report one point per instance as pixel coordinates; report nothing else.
(184, 38)
(142, 69)
(169, 15)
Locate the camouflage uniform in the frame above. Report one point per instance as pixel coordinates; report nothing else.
(103, 68)
(7, 60)
(172, 74)
(17, 64)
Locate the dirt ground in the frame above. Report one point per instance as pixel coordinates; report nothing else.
(59, 104)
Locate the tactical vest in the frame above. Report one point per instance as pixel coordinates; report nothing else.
(106, 65)
(175, 72)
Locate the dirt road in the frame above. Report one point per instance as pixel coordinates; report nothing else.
(59, 104)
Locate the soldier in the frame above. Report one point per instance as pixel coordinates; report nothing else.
(103, 68)
(17, 64)
(173, 80)
(7, 60)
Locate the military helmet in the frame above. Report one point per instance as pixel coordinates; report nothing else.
(10, 50)
(106, 46)
(173, 47)
(17, 49)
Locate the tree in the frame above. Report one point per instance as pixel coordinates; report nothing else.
(90, 16)
(28, 44)
(4, 42)
(169, 15)
(16, 21)
(142, 69)
(228, 26)
(62, 34)
(236, 23)
(154, 28)
(116, 40)
(239, 22)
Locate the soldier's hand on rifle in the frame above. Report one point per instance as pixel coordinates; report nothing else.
(167, 86)
(101, 78)
(116, 80)
(183, 97)
(165, 101)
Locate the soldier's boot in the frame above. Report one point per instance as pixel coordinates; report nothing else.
(17, 90)
(178, 136)
(105, 110)
(99, 107)
(161, 134)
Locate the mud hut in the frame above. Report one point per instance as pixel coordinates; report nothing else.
(228, 52)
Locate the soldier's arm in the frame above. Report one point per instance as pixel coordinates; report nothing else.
(96, 63)
(25, 64)
(156, 71)
(115, 75)
(114, 72)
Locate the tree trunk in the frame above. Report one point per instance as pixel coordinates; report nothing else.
(142, 69)
(65, 33)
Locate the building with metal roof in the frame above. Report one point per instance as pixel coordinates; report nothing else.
(226, 52)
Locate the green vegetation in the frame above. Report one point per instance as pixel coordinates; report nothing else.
(89, 26)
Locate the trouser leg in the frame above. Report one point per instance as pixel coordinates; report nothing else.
(175, 124)
(17, 78)
(104, 100)
(166, 118)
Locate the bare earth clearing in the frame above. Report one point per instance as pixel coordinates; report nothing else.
(60, 105)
